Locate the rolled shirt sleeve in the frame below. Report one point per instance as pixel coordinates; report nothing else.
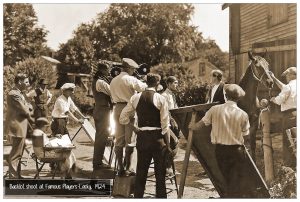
(137, 85)
(128, 111)
(73, 107)
(245, 126)
(283, 95)
(103, 87)
(161, 103)
(49, 94)
(207, 119)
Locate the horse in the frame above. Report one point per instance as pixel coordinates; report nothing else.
(257, 72)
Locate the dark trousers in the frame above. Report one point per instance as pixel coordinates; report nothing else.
(289, 121)
(150, 144)
(101, 117)
(16, 153)
(59, 126)
(40, 111)
(230, 160)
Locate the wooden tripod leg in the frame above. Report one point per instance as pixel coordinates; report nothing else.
(76, 133)
(186, 159)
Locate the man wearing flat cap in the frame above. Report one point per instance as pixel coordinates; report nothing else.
(287, 99)
(152, 132)
(42, 98)
(64, 108)
(122, 87)
(229, 125)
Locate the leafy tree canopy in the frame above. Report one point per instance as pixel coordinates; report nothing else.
(22, 38)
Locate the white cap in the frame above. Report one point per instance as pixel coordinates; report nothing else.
(127, 62)
(68, 86)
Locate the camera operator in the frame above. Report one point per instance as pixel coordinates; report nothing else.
(122, 87)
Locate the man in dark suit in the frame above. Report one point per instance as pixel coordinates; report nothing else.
(216, 93)
(19, 111)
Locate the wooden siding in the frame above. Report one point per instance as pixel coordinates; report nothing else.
(257, 33)
(255, 25)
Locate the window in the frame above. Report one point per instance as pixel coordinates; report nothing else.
(278, 13)
(201, 68)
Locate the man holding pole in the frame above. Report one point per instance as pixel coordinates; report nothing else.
(64, 108)
(229, 125)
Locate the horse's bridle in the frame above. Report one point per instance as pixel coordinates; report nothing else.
(260, 79)
(256, 77)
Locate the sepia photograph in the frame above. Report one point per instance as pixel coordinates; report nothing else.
(180, 100)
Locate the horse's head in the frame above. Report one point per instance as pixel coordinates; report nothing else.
(260, 70)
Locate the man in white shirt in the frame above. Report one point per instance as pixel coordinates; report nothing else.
(216, 93)
(42, 98)
(152, 132)
(229, 125)
(172, 84)
(122, 87)
(101, 113)
(64, 108)
(287, 99)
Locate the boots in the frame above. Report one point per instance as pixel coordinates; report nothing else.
(119, 158)
(127, 161)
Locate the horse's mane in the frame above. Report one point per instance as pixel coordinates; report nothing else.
(245, 78)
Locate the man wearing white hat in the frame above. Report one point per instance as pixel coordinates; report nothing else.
(64, 108)
(122, 87)
(287, 99)
(229, 125)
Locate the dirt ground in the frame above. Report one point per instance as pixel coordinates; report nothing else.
(197, 186)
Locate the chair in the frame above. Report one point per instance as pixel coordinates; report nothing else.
(48, 154)
(168, 177)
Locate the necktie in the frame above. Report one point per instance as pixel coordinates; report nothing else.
(174, 100)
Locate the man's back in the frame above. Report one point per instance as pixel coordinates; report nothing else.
(229, 123)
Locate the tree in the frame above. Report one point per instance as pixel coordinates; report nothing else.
(148, 33)
(77, 52)
(215, 55)
(22, 38)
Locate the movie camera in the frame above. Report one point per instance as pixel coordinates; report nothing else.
(116, 68)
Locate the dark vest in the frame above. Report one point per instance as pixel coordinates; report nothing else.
(219, 95)
(148, 114)
(101, 99)
(41, 97)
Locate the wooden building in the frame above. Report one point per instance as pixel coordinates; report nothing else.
(202, 69)
(259, 27)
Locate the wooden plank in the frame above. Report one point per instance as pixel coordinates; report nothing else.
(276, 48)
(248, 9)
(186, 159)
(192, 108)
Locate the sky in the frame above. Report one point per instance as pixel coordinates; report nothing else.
(61, 19)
